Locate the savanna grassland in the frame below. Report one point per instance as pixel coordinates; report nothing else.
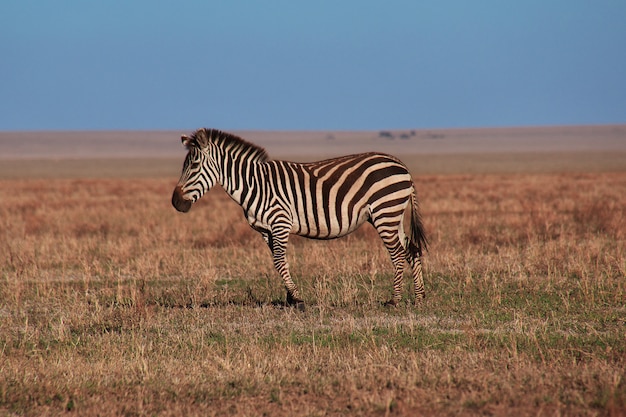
(112, 303)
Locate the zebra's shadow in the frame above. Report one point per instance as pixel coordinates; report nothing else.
(245, 300)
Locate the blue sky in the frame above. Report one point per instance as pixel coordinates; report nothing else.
(315, 65)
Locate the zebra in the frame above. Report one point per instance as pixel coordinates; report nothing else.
(319, 200)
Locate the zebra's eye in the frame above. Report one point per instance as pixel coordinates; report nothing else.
(194, 165)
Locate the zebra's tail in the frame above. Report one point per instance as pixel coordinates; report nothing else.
(418, 242)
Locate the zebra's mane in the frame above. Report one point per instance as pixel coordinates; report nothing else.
(202, 137)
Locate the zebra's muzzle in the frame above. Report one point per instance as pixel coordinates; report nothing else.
(179, 202)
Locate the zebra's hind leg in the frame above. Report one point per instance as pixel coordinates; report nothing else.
(414, 259)
(418, 278)
(397, 253)
(389, 228)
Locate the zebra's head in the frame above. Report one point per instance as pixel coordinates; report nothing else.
(199, 171)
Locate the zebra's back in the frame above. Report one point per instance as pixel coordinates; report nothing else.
(331, 198)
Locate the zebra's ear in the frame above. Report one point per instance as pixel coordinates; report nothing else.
(186, 140)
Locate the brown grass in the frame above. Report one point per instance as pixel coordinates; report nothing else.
(112, 303)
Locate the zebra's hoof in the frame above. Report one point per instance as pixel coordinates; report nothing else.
(391, 303)
(297, 303)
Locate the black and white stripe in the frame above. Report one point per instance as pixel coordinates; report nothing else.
(319, 200)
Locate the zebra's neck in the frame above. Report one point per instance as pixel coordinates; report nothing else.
(239, 172)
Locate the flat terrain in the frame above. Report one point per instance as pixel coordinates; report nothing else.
(435, 151)
(113, 303)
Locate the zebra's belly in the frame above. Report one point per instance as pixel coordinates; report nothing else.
(328, 228)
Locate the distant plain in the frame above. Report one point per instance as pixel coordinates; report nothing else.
(432, 151)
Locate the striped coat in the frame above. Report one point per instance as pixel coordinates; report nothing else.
(321, 200)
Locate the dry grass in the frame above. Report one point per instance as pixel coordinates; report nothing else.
(111, 303)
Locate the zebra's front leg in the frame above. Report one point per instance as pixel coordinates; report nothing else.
(277, 242)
